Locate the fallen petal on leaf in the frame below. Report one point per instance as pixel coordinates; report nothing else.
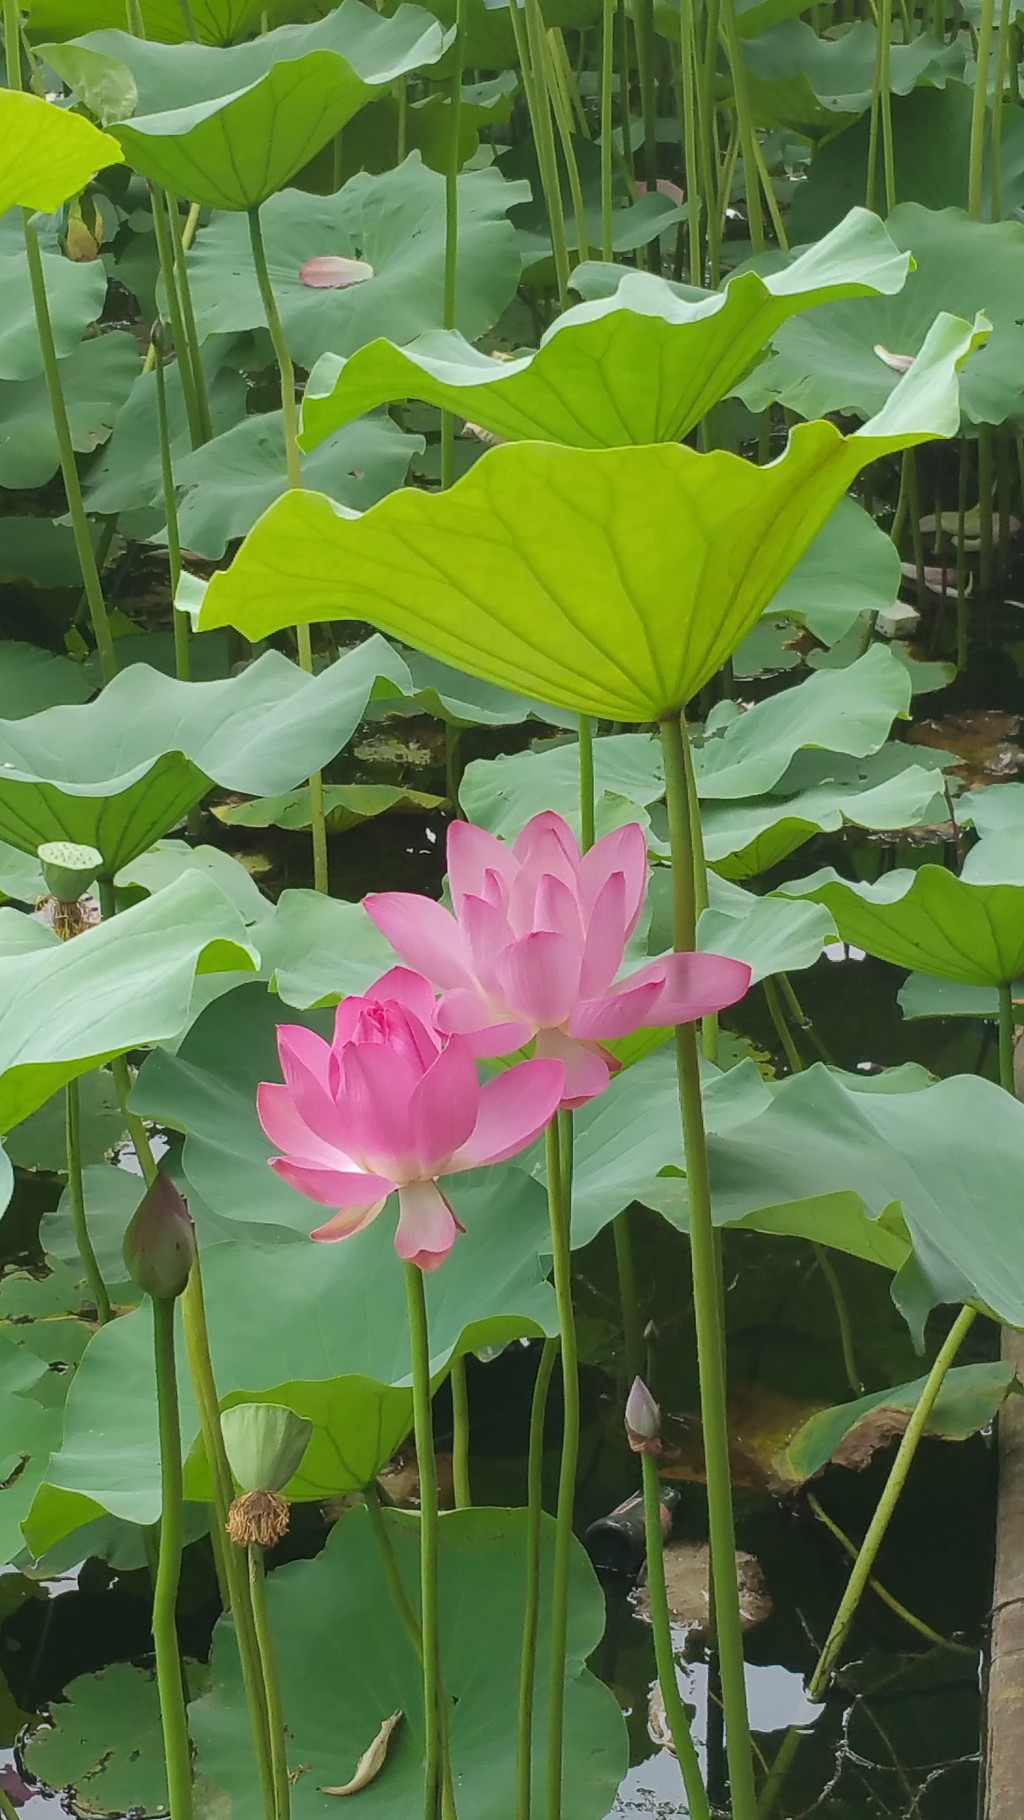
(371, 1762)
(329, 272)
(900, 363)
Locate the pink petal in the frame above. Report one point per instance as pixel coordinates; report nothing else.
(556, 907)
(514, 1109)
(695, 985)
(399, 985)
(588, 1069)
(476, 860)
(329, 272)
(444, 1105)
(332, 1187)
(425, 934)
(344, 1224)
(614, 1013)
(539, 977)
(543, 835)
(305, 1061)
(376, 1090)
(606, 937)
(290, 1133)
(468, 1014)
(427, 1227)
(487, 931)
(623, 850)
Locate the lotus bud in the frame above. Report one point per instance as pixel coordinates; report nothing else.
(265, 1445)
(643, 1420)
(160, 1243)
(68, 870)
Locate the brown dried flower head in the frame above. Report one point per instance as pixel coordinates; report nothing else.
(260, 1518)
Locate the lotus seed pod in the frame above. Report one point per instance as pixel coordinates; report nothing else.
(258, 1519)
(160, 1243)
(265, 1444)
(68, 869)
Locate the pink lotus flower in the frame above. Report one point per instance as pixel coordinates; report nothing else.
(390, 1105)
(536, 944)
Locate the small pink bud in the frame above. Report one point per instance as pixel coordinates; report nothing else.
(643, 1420)
(329, 272)
(160, 1242)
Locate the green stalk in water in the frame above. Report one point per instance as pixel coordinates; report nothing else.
(451, 228)
(559, 1175)
(460, 1434)
(531, 1596)
(182, 641)
(433, 1719)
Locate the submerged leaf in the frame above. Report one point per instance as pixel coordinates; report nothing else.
(371, 1762)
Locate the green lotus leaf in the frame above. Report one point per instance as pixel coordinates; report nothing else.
(31, 679)
(996, 810)
(929, 920)
(48, 154)
(127, 476)
(345, 806)
(851, 568)
(70, 1006)
(335, 1697)
(749, 928)
(464, 701)
(228, 128)
(641, 366)
(118, 772)
(395, 223)
(832, 1149)
(969, 1400)
(613, 581)
(76, 294)
(103, 85)
(96, 378)
(489, 38)
(30, 1430)
(828, 363)
(921, 995)
(315, 950)
(105, 1743)
(216, 21)
(320, 1329)
(817, 86)
(501, 794)
(230, 481)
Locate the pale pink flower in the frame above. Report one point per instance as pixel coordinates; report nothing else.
(390, 1105)
(536, 944)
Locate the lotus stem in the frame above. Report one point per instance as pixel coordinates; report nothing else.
(135, 21)
(182, 236)
(675, 1711)
(881, 1592)
(76, 1194)
(782, 1029)
(881, 113)
(868, 1554)
(451, 227)
(831, 1276)
(182, 346)
(607, 146)
(1006, 1030)
(587, 792)
(708, 1298)
(979, 108)
(177, 1751)
(562, 110)
(460, 1435)
(531, 1596)
(180, 620)
(424, 1430)
(188, 16)
(625, 1266)
(690, 124)
(745, 125)
(271, 1682)
(539, 103)
(290, 418)
(559, 1174)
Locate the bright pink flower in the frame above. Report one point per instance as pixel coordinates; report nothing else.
(390, 1105)
(536, 944)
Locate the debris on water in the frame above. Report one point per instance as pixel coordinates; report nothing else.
(687, 1583)
(983, 740)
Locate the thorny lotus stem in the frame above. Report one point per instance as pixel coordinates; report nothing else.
(424, 1431)
(868, 1554)
(182, 235)
(460, 1435)
(587, 789)
(271, 1682)
(544, 138)
(559, 1174)
(1006, 1029)
(177, 1751)
(290, 418)
(182, 347)
(76, 1195)
(675, 1711)
(881, 1592)
(625, 1267)
(182, 653)
(979, 109)
(531, 1596)
(707, 1296)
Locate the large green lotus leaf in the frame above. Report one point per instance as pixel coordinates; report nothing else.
(886, 790)
(642, 366)
(828, 363)
(105, 1742)
(31, 679)
(851, 568)
(970, 1398)
(816, 86)
(847, 711)
(318, 949)
(945, 1156)
(927, 920)
(931, 142)
(128, 474)
(501, 794)
(613, 581)
(76, 294)
(48, 154)
(30, 1429)
(996, 810)
(41, 553)
(464, 701)
(96, 378)
(67, 1008)
(323, 1329)
(230, 481)
(489, 38)
(163, 864)
(748, 928)
(345, 806)
(395, 223)
(369, 142)
(118, 772)
(336, 1696)
(216, 21)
